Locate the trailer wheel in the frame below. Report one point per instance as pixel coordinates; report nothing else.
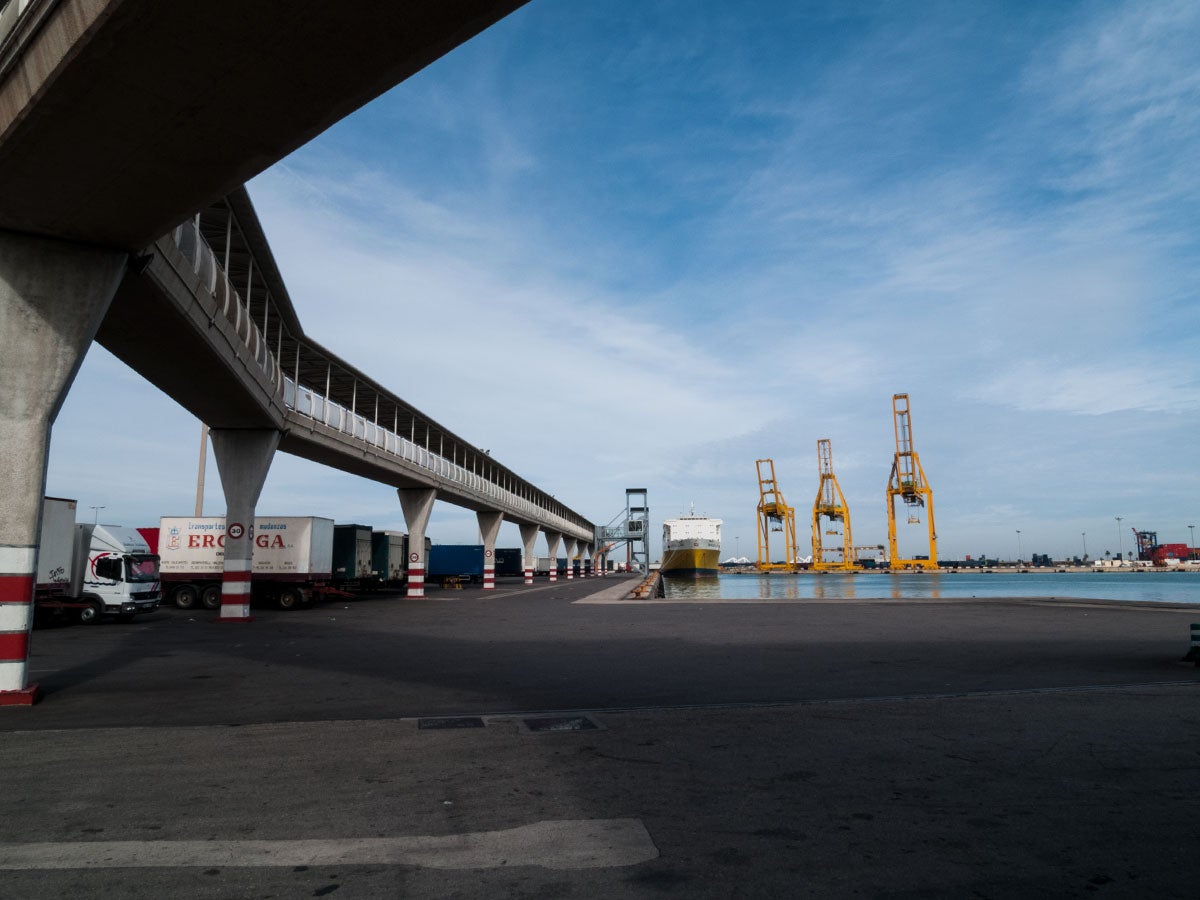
(210, 597)
(92, 613)
(186, 596)
(290, 598)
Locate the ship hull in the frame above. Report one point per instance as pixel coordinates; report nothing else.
(690, 561)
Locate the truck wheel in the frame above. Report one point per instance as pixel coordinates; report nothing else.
(290, 598)
(92, 613)
(186, 596)
(210, 597)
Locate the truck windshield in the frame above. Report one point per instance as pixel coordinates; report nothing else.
(142, 567)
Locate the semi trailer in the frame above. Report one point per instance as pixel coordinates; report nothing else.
(293, 559)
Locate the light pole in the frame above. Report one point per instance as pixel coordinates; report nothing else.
(737, 544)
(96, 511)
(1018, 547)
(1120, 541)
(1085, 546)
(1192, 548)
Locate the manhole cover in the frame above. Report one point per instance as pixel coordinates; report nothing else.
(560, 723)
(451, 722)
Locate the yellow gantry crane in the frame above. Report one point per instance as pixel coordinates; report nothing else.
(908, 482)
(774, 515)
(829, 510)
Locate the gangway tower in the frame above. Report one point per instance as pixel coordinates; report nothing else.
(908, 482)
(830, 511)
(774, 515)
(632, 528)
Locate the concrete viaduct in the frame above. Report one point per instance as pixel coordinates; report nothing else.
(127, 128)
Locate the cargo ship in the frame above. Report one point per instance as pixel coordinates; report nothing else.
(691, 545)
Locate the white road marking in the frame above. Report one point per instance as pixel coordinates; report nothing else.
(564, 844)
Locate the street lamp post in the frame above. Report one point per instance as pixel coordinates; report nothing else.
(96, 511)
(1018, 547)
(1192, 548)
(1085, 546)
(1120, 540)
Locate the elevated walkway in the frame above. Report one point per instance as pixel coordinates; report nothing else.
(240, 359)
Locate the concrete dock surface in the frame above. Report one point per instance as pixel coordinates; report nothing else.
(538, 743)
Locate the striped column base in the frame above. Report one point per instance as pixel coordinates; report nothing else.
(554, 575)
(489, 578)
(529, 576)
(416, 582)
(235, 592)
(570, 574)
(16, 615)
(1193, 654)
(26, 696)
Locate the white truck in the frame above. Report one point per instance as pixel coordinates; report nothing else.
(293, 559)
(94, 570)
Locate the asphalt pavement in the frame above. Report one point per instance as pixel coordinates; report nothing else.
(556, 742)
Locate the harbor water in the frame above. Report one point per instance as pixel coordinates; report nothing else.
(1169, 587)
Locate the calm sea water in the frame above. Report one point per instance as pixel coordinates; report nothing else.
(1173, 587)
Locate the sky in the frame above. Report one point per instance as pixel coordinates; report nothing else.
(643, 244)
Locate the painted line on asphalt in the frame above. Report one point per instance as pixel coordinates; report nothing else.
(562, 844)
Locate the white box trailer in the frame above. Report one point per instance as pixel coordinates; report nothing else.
(293, 558)
(56, 547)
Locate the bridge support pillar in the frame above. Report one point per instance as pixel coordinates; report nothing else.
(552, 540)
(529, 535)
(243, 459)
(489, 528)
(587, 562)
(53, 296)
(572, 546)
(417, 504)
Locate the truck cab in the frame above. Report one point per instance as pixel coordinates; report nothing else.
(114, 573)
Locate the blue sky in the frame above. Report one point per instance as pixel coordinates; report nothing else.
(642, 244)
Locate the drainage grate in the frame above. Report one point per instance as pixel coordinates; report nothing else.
(560, 723)
(451, 722)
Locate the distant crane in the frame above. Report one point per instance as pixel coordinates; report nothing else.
(774, 515)
(907, 481)
(830, 509)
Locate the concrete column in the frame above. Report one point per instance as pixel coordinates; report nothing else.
(529, 535)
(552, 539)
(489, 527)
(587, 562)
(53, 296)
(243, 458)
(571, 545)
(417, 504)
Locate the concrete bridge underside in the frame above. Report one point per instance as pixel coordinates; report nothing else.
(119, 118)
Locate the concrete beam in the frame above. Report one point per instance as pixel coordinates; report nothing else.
(243, 459)
(529, 535)
(572, 544)
(552, 541)
(53, 295)
(489, 528)
(417, 504)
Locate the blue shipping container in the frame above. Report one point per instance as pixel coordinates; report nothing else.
(455, 560)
